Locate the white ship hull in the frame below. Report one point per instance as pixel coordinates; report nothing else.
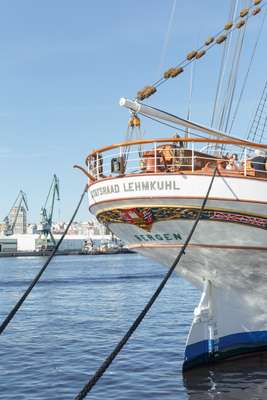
(226, 258)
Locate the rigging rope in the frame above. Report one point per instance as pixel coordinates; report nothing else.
(172, 126)
(224, 98)
(219, 38)
(259, 117)
(248, 71)
(101, 370)
(133, 129)
(232, 81)
(167, 36)
(225, 55)
(40, 273)
(191, 86)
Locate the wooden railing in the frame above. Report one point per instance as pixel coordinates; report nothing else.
(177, 155)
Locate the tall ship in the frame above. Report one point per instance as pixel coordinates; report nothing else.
(150, 191)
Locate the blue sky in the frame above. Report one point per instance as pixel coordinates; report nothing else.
(65, 64)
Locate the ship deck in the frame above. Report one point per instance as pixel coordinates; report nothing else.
(191, 156)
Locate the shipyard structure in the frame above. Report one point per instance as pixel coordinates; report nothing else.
(17, 237)
(80, 236)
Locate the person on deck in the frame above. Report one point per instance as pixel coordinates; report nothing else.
(233, 164)
(258, 162)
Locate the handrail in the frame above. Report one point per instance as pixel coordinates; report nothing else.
(175, 140)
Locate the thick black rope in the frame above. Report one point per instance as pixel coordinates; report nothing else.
(38, 276)
(101, 370)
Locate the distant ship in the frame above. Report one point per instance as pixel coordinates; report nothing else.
(149, 193)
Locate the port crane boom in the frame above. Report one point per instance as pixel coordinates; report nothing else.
(10, 220)
(46, 239)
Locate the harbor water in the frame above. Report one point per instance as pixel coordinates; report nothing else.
(78, 312)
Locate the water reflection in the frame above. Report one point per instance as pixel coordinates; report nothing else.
(244, 379)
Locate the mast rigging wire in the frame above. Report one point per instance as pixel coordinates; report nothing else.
(171, 126)
(184, 63)
(225, 55)
(191, 86)
(259, 115)
(232, 81)
(224, 105)
(248, 71)
(167, 36)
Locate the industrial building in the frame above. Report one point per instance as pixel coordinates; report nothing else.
(19, 218)
(18, 236)
(8, 245)
(28, 242)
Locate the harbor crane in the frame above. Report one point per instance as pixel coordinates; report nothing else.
(46, 240)
(11, 219)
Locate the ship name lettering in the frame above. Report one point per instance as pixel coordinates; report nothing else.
(150, 185)
(177, 236)
(157, 236)
(107, 189)
(145, 185)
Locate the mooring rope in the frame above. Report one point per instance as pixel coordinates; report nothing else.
(38, 276)
(102, 369)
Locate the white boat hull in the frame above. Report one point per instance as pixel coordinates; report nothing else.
(226, 258)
